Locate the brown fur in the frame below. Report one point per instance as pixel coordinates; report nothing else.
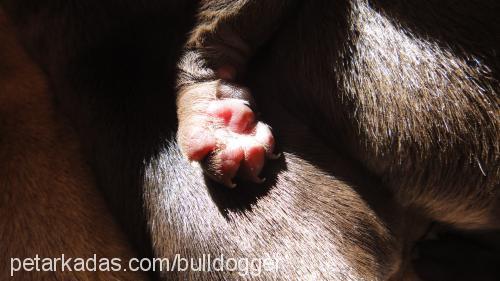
(411, 109)
(320, 212)
(316, 214)
(414, 105)
(50, 205)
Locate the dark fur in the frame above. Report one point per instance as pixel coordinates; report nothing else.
(316, 215)
(319, 206)
(426, 117)
(410, 90)
(50, 205)
(81, 46)
(411, 108)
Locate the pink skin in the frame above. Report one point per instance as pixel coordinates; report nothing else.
(237, 144)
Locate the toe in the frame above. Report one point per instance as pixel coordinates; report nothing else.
(198, 143)
(224, 163)
(265, 137)
(253, 162)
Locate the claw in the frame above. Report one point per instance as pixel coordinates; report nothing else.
(224, 165)
(258, 180)
(274, 156)
(229, 184)
(226, 181)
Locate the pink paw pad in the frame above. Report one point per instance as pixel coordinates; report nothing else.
(235, 114)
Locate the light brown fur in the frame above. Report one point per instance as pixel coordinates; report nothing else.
(49, 203)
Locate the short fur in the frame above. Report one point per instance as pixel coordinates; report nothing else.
(415, 107)
(50, 205)
(112, 68)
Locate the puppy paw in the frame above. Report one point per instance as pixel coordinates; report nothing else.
(218, 129)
